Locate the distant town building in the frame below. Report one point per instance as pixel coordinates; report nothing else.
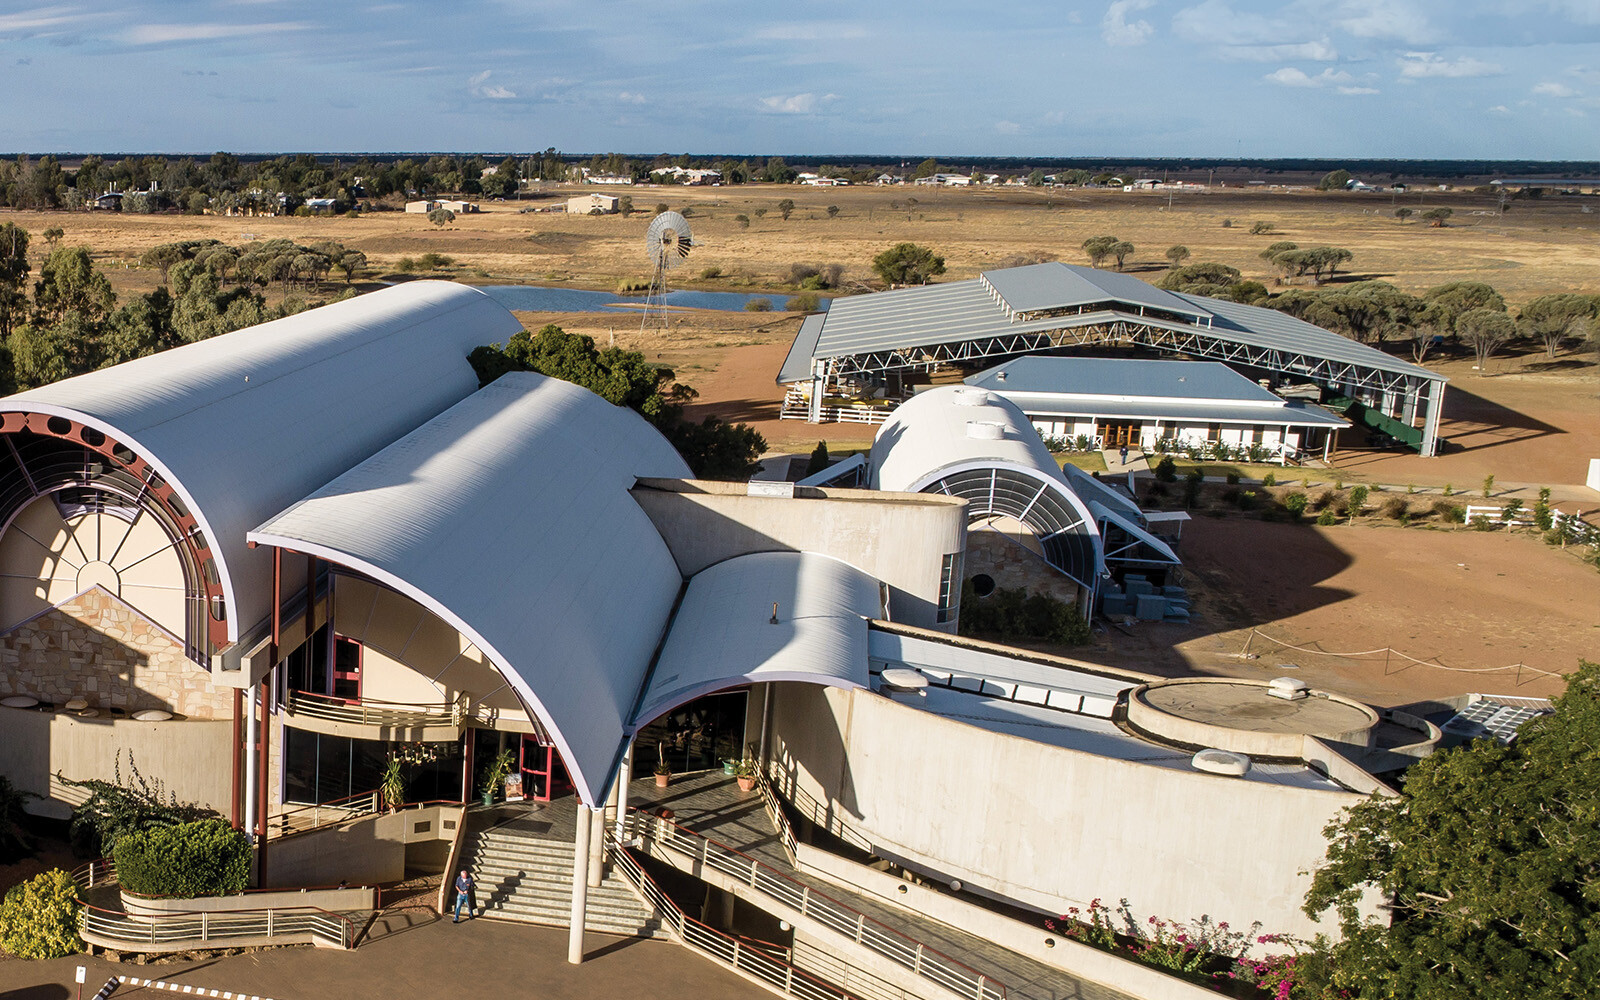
(592, 204)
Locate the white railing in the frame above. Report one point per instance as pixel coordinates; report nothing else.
(812, 811)
(752, 959)
(1571, 526)
(186, 930)
(303, 819)
(368, 712)
(815, 905)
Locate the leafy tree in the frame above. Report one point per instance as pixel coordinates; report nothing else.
(625, 205)
(1121, 250)
(786, 208)
(907, 264)
(1485, 331)
(14, 270)
(54, 235)
(112, 809)
(441, 216)
(1444, 304)
(1436, 216)
(819, 459)
(1490, 859)
(712, 448)
(927, 168)
(68, 282)
(1099, 248)
(743, 220)
(1205, 278)
(1260, 228)
(1176, 255)
(1334, 181)
(1403, 214)
(1554, 318)
(350, 263)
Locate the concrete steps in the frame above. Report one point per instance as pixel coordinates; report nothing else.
(521, 877)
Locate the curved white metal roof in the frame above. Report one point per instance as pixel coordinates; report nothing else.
(244, 424)
(509, 517)
(723, 634)
(952, 425)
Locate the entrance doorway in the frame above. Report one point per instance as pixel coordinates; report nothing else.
(1116, 433)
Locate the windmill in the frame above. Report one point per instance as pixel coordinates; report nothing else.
(667, 241)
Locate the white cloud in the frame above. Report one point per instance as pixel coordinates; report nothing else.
(1116, 29)
(1385, 19)
(1499, 109)
(479, 86)
(164, 34)
(1417, 65)
(628, 97)
(1357, 91)
(1320, 50)
(802, 31)
(1007, 128)
(40, 17)
(1290, 76)
(1551, 89)
(1579, 11)
(799, 104)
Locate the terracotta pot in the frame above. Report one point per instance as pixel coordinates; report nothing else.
(662, 779)
(746, 784)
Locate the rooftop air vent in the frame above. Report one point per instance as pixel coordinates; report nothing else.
(985, 430)
(1288, 688)
(971, 396)
(1234, 765)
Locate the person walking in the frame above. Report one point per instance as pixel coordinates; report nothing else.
(464, 886)
(1124, 456)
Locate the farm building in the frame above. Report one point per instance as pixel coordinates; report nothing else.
(1136, 403)
(873, 346)
(592, 204)
(421, 207)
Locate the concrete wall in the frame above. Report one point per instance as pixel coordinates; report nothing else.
(98, 648)
(335, 900)
(35, 745)
(1052, 828)
(365, 851)
(899, 539)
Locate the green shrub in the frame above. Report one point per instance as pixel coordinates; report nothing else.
(1166, 470)
(407, 265)
(1481, 522)
(627, 286)
(39, 918)
(1247, 500)
(1232, 478)
(112, 809)
(804, 302)
(1324, 500)
(706, 274)
(1450, 513)
(1295, 503)
(758, 306)
(14, 844)
(1014, 613)
(204, 858)
(1394, 508)
(1270, 479)
(1357, 503)
(1488, 486)
(1449, 490)
(1327, 517)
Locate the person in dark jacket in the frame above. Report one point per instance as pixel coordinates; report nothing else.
(464, 887)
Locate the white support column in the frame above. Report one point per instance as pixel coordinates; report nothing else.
(252, 739)
(624, 778)
(597, 847)
(580, 884)
(1430, 427)
(819, 385)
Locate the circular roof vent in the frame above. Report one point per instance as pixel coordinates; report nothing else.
(986, 430)
(1234, 765)
(904, 679)
(971, 396)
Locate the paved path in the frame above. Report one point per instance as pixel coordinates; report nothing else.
(1137, 462)
(713, 806)
(413, 953)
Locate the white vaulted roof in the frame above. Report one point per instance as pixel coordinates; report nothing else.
(244, 424)
(948, 426)
(509, 516)
(723, 633)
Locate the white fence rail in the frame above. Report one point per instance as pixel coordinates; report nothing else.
(184, 931)
(1571, 526)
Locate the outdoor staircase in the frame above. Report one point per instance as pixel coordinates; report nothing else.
(523, 877)
(1365, 415)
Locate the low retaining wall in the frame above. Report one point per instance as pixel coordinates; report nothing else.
(333, 900)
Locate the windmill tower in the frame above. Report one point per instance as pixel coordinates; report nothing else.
(667, 241)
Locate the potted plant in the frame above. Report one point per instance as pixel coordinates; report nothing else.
(493, 775)
(663, 772)
(392, 787)
(745, 771)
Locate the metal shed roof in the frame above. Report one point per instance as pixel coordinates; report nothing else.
(1054, 285)
(1132, 378)
(246, 423)
(509, 517)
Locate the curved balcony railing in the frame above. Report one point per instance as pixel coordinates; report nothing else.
(187, 930)
(373, 712)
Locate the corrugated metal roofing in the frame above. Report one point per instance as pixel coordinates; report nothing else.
(244, 424)
(1294, 413)
(1123, 377)
(723, 634)
(962, 311)
(1054, 285)
(509, 516)
(797, 364)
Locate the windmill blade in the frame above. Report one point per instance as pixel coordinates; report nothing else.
(668, 239)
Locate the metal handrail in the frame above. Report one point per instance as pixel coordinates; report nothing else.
(369, 711)
(343, 810)
(100, 871)
(748, 957)
(814, 812)
(195, 926)
(839, 917)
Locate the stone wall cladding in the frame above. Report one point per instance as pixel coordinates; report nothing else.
(100, 649)
(1011, 564)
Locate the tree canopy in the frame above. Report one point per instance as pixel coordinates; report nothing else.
(1491, 858)
(712, 448)
(907, 264)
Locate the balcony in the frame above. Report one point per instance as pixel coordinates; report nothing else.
(372, 719)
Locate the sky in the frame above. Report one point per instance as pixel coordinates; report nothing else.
(1215, 78)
